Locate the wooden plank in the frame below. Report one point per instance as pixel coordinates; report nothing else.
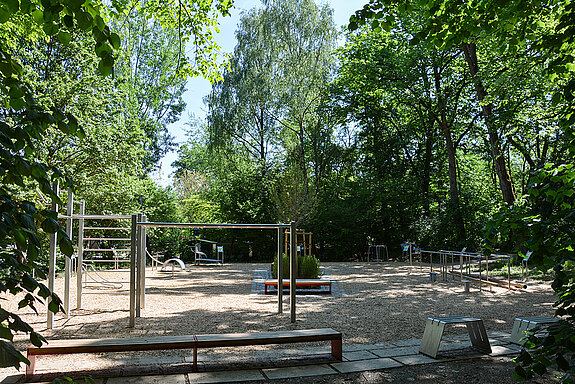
(181, 342)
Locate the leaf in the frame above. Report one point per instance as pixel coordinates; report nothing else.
(50, 28)
(50, 225)
(66, 246)
(84, 20)
(5, 14)
(114, 40)
(5, 333)
(29, 283)
(37, 339)
(13, 5)
(10, 357)
(64, 37)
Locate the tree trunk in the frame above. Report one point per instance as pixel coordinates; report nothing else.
(505, 184)
(451, 161)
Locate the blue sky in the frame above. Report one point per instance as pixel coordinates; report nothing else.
(197, 88)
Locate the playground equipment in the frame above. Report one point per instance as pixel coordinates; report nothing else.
(201, 257)
(470, 266)
(375, 253)
(409, 249)
(137, 261)
(101, 281)
(304, 246)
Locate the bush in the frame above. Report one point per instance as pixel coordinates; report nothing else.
(307, 267)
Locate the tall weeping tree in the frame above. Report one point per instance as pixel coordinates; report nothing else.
(266, 106)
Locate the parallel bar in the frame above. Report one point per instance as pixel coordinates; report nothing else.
(292, 274)
(109, 228)
(107, 239)
(107, 249)
(95, 217)
(80, 257)
(212, 225)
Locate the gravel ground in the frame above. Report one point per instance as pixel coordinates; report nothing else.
(373, 302)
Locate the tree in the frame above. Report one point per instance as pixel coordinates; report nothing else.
(266, 105)
(544, 224)
(25, 120)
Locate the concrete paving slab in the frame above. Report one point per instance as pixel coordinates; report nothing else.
(497, 334)
(385, 344)
(408, 343)
(174, 379)
(301, 371)
(358, 347)
(399, 351)
(10, 378)
(359, 355)
(225, 376)
(415, 359)
(365, 365)
(500, 350)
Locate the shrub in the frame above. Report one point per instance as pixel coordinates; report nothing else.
(308, 267)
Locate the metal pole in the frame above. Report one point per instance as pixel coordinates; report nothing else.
(138, 266)
(80, 257)
(292, 274)
(52, 262)
(280, 271)
(67, 260)
(132, 322)
(143, 264)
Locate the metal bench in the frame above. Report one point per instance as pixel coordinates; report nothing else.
(523, 324)
(61, 347)
(298, 283)
(434, 331)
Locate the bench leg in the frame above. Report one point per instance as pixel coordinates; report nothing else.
(431, 338)
(337, 349)
(30, 368)
(478, 336)
(517, 331)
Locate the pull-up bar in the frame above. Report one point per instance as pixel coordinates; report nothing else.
(137, 258)
(212, 225)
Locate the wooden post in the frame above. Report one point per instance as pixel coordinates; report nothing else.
(133, 247)
(293, 258)
(52, 262)
(80, 258)
(68, 260)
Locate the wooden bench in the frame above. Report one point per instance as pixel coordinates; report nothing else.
(298, 283)
(61, 347)
(524, 324)
(434, 331)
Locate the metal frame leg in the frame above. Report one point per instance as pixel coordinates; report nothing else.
(337, 349)
(478, 336)
(431, 338)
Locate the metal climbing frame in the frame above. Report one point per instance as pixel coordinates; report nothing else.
(137, 258)
(377, 251)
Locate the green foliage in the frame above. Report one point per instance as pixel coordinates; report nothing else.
(307, 267)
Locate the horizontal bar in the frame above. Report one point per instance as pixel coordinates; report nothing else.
(96, 217)
(106, 250)
(110, 228)
(107, 238)
(212, 225)
(108, 261)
